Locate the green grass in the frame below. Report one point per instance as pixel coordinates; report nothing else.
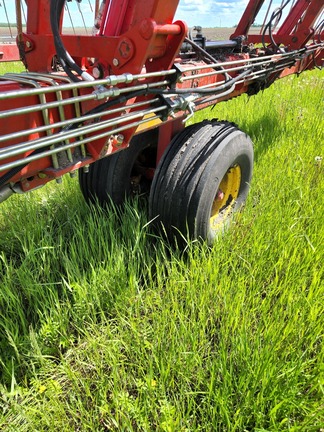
(7, 67)
(104, 327)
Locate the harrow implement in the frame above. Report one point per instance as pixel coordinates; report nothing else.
(113, 104)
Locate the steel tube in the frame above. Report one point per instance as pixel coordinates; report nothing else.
(58, 138)
(218, 72)
(248, 61)
(47, 153)
(49, 105)
(118, 79)
(72, 121)
(5, 193)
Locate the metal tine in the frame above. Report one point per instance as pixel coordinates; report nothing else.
(7, 18)
(265, 18)
(69, 14)
(81, 13)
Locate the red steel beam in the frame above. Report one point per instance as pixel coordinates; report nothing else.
(9, 52)
(303, 14)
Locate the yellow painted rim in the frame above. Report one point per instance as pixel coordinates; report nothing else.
(226, 196)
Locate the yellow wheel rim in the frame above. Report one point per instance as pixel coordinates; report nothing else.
(226, 196)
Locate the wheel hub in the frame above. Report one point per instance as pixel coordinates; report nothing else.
(225, 196)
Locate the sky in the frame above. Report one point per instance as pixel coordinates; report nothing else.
(211, 13)
(206, 13)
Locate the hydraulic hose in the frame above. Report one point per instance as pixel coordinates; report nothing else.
(276, 15)
(206, 55)
(203, 91)
(60, 51)
(102, 107)
(65, 59)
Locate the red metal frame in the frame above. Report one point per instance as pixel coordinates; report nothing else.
(132, 39)
(295, 31)
(9, 52)
(130, 33)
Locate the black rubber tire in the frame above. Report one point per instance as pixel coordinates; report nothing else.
(110, 180)
(188, 176)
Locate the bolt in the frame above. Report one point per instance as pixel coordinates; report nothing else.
(120, 139)
(28, 44)
(115, 61)
(220, 195)
(125, 48)
(96, 72)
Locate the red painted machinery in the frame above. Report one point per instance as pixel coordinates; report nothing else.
(113, 103)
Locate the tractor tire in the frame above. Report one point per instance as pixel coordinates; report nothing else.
(118, 177)
(201, 180)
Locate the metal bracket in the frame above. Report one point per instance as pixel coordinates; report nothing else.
(180, 103)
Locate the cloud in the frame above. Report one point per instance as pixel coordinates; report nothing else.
(212, 13)
(209, 13)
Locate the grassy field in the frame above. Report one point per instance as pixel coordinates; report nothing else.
(104, 327)
(211, 33)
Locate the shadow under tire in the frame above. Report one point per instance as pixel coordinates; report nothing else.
(201, 180)
(115, 178)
